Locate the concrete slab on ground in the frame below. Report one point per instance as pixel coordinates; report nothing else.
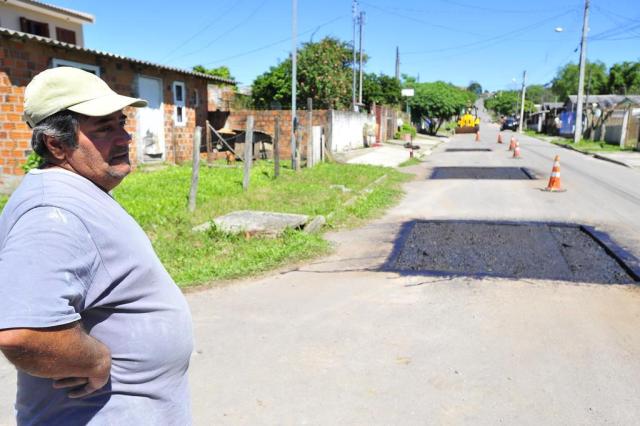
(256, 222)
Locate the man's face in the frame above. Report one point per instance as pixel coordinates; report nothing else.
(102, 155)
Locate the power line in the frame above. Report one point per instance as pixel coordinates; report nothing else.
(275, 43)
(206, 27)
(230, 30)
(497, 38)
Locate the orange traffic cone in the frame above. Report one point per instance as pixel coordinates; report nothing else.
(516, 151)
(554, 180)
(512, 143)
(499, 137)
(478, 136)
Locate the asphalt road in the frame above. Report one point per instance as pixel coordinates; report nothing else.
(342, 341)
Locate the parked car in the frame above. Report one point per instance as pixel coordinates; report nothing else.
(510, 123)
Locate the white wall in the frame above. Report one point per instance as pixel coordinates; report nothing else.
(10, 18)
(347, 129)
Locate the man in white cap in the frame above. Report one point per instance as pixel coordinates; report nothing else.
(97, 329)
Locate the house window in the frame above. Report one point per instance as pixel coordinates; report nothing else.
(34, 27)
(94, 69)
(179, 112)
(65, 36)
(195, 98)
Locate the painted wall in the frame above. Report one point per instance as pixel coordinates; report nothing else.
(10, 18)
(348, 129)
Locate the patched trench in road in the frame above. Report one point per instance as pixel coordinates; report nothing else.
(482, 173)
(511, 250)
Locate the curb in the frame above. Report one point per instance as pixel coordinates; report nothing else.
(594, 155)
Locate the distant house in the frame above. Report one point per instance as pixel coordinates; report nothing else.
(35, 36)
(612, 118)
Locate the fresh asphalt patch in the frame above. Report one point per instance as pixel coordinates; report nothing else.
(484, 173)
(468, 150)
(550, 251)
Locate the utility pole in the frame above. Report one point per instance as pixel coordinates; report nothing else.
(397, 63)
(361, 22)
(354, 10)
(524, 91)
(294, 78)
(577, 135)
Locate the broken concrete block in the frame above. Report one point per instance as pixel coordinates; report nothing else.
(256, 223)
(315, 225)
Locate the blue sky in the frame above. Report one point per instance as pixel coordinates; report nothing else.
(490, 41)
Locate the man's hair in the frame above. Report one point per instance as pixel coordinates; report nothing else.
(63, 126)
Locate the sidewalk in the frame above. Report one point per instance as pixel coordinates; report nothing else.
(391, 153)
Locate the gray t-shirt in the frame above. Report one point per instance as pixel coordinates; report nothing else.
(68, 252)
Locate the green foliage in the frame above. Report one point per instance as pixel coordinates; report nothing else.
(3, 201)
(193, 258)
(538, 94)
(222, 71)
(507, 103)
(475, 87)
(439, 101)
(566, 81)
(405, 129)
(33, 162)
(324, 74)
(586, 145)
(381, 89)
(624, 78)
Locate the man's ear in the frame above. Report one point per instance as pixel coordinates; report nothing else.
(57, 149)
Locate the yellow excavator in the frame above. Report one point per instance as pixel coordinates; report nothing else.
(469, 121)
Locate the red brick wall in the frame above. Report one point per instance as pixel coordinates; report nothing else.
(21, 60)
(264, 121)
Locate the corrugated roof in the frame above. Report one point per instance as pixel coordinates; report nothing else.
(52, 42)
(74, 13)
(607, 101)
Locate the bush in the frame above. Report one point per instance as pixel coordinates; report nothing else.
(406, 128)
(33, 162)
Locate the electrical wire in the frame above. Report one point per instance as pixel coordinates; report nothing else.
(203, 29)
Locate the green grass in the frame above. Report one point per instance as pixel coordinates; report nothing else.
(3, 201)
(157, 200)
(591, 146)
(410, 162)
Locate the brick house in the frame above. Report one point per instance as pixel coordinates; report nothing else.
(163, 131)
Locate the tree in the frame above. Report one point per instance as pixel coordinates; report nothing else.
(438, 101)
(624, 78)
(222, 71)
(566, 81)
(324, 74)
(381, 89)
(538, 94)
(475, 87)
(507, 102)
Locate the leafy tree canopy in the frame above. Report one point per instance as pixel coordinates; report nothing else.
(475, 87)
(381, 89)
(566, 81)
(624, 78)
(222, 71)
(538, 94)
(324, 74)
(507, 103)
(438, 101)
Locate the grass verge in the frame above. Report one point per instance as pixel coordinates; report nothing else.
(3, 201)
(590, 146)
(410, 162)
(157, 200)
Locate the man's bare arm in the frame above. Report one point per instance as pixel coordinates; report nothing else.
(66, 354)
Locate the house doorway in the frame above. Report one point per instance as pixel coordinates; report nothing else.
(150, 146)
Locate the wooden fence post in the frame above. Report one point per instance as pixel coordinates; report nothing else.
(208, 142)
(310, 159)
(276, 148)
(195, 167)
(248, 153)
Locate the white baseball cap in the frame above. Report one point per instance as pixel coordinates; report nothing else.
(61, 88)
